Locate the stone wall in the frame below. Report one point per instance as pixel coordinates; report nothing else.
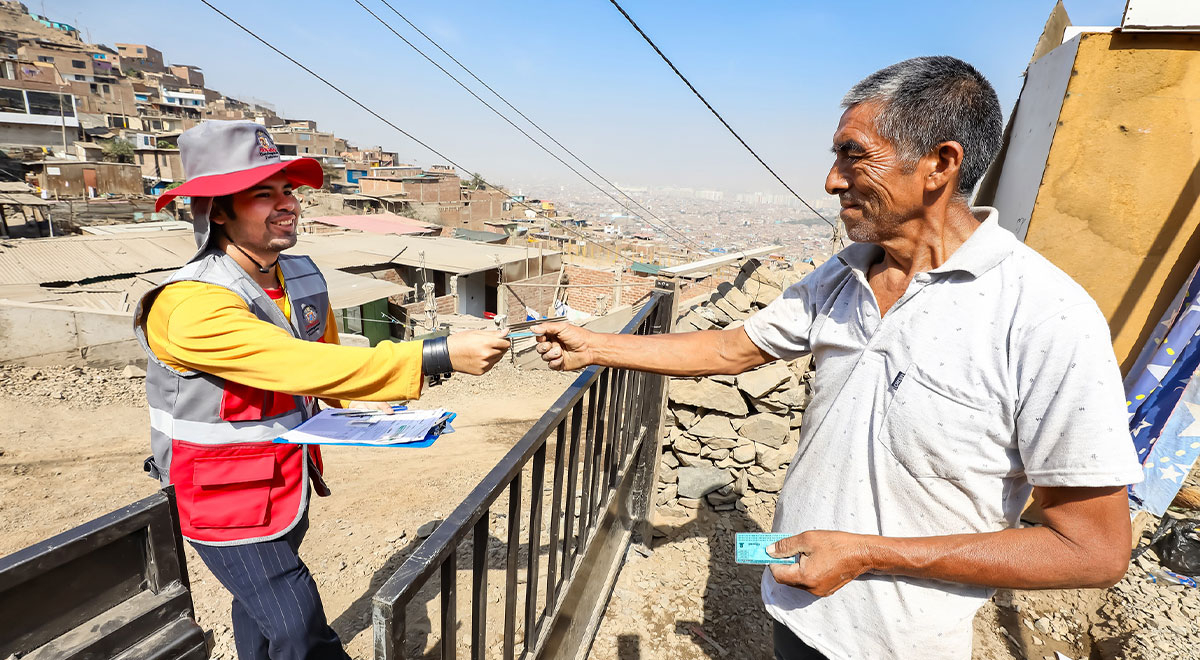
(729, 440)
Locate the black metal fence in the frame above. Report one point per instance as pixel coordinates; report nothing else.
(599, 443)
(115, 586)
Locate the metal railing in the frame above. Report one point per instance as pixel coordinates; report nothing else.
(600, 438)
(115, 586)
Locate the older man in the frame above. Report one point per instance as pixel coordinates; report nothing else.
(958, 371)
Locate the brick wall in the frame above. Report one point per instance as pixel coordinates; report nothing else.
(445, 305)
(634, 288)
(586, 299)
(413, 314)
(516, 299)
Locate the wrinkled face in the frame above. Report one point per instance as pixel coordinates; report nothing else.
(265, 216)
(877, 189)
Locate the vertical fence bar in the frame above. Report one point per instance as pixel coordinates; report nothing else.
(560, 458)
(633, 419)
(605, 452)
(510, 574)
(449, 606)
(585, 496)
(593, 459)
(617, 433)
(389, 627)
(479, 576)
(537, 482)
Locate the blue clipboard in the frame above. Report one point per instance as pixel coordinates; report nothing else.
(444, 427)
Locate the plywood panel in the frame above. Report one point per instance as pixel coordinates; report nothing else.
(1032, 131)
(1117, 208)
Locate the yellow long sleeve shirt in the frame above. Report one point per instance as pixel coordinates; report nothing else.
(204, 327)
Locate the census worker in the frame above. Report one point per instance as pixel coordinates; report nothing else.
(956, 371)
(241, 343)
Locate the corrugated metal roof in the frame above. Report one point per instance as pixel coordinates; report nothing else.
(444, 254)
(479, 236)
(377, 223)
(347, 290)
(122, 295)
(119, 295)
(79, 258)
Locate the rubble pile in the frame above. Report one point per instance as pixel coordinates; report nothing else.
(1144, 620)
(83, 387)
(729, 439)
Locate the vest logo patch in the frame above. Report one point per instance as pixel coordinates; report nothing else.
(266, 146)
(310, 316)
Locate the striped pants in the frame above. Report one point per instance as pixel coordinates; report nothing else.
(277, 611)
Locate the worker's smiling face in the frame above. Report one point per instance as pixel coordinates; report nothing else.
(264, 216)
(877, 189)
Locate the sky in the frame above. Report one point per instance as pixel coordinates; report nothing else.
(775, 70)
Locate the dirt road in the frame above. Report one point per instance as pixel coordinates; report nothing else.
(67, 460)
(71, 448)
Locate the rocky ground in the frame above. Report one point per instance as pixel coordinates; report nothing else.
(74, 387)
(686, 600)
(689, 600)
(73, 440)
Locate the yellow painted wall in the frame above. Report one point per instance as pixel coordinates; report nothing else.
(1117, 208)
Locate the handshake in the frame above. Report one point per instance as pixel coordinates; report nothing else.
(562, 345)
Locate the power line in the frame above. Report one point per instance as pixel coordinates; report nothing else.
(717, 114)
(532, 122)
(398, 129)
(501, 115)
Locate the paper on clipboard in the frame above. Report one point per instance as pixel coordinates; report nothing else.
(342, 427)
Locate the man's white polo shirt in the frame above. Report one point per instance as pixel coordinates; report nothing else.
(991, 374)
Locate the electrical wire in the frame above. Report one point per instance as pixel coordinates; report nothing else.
(717, 114)
(403, 132)
(560, 145)
(509, 121)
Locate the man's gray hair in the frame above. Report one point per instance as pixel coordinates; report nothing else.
(926, 101)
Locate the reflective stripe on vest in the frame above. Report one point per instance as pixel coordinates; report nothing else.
(221, 432)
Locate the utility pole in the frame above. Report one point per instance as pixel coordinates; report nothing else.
(62, 116)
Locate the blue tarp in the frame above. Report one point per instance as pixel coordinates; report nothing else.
(1163, 394)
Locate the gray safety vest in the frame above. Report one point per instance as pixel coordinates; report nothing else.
(186, 407)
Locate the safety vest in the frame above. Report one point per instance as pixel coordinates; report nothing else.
(212, 438)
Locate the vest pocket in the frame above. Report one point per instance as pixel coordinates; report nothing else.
(232, 491)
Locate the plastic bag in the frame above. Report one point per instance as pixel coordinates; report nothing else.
(1177, 543)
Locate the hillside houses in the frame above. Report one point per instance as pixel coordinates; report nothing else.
(63, 99)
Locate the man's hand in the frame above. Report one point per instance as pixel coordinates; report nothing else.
(475, 352)
(827, 561)
(565, 347)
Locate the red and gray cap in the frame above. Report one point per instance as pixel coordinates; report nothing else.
(226, 157)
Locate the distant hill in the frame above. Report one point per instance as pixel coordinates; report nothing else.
(14, 17)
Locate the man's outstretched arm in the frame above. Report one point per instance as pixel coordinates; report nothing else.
(567, 347)
(1084, 543)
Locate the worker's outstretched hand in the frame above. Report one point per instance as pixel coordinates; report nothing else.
(563, 346)
(475, 352)
(825, 560)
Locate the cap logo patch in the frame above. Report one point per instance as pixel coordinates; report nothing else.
(310, 316)
(266, 146)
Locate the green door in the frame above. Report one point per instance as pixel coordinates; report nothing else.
(375, 326)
